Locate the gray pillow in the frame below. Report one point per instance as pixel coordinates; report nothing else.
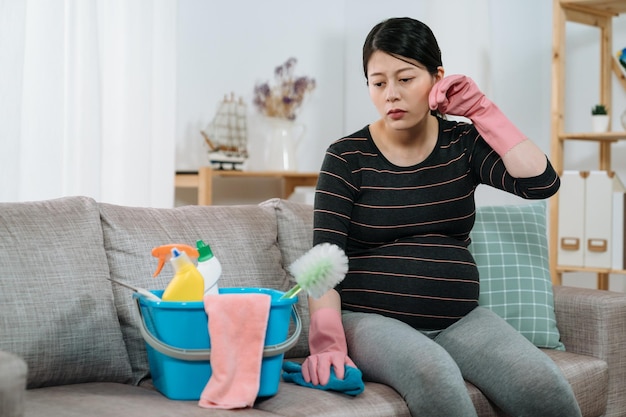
(56, 306)
(295, 238)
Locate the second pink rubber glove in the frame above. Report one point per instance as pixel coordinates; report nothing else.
(328, 347)
(458, 95)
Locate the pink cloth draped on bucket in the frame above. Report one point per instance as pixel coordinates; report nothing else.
(237, 326)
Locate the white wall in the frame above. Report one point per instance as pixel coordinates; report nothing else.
(229, 46)
(582, 86)
(505, 46)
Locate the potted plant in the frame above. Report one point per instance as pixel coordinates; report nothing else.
(599, 118)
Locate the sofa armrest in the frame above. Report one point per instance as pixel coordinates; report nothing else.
(13, 372)
(593, 323)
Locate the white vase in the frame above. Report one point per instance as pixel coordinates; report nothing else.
(281, 144)
(600, 123)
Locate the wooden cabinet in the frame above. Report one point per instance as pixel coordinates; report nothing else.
(600, 14)
(203, 181)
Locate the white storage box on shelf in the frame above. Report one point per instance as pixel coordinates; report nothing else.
(571, 215)
(619, 231)
(588, 220)
(598, 219)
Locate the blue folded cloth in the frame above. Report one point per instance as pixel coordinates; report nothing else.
(351, 384)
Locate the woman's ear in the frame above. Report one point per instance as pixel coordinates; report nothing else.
(439, 75)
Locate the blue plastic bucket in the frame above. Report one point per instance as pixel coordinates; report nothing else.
(178, 343)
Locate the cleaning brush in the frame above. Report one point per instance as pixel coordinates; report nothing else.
(318, 270)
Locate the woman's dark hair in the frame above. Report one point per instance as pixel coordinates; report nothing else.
(403, 37)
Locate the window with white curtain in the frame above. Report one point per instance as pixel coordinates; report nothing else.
(87, 100)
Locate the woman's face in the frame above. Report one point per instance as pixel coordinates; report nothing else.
(399, 89)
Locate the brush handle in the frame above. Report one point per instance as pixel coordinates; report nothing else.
(292, 292)
(148, 294)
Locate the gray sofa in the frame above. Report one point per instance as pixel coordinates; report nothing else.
(69, 338)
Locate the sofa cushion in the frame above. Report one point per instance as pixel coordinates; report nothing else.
(589, 378)
(13, 371)
(510, 246)
(56, 306)
(295, 237)
(297, 401)
(119, 400)
(295, 227)
(587, 375)
(243, 238)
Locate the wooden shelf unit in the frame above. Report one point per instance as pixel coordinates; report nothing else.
(600, 14)
(203, 180)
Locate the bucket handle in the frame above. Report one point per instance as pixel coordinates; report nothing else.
(205, 354)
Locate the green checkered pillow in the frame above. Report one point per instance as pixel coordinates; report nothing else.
(510, 246)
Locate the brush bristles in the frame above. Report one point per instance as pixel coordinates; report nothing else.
(320, 269)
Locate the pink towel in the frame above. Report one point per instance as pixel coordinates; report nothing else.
(237, 325)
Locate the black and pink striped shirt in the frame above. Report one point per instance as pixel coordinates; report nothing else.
(406, 229)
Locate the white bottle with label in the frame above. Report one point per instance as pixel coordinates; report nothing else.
(209, 267)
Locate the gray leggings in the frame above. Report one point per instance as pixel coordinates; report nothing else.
(428, 370)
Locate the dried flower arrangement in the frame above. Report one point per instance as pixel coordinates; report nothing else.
(285, 98)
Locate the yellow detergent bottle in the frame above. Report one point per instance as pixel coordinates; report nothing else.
(187, 284)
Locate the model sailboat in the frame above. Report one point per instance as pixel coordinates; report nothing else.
(227, 135)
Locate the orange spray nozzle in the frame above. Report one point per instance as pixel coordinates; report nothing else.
(164, 253)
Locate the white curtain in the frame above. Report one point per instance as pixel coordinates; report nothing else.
(88, 100)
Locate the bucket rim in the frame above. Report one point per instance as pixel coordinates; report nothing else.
(276, 295)
(205, 354)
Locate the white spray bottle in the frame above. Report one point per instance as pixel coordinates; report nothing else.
(209, 267)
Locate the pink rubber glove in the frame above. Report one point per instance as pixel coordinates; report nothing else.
(458, 95)
(328, 347)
